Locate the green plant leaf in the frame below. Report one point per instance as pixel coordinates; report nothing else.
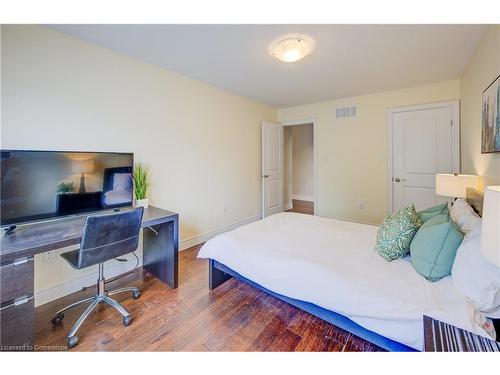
(141, 181)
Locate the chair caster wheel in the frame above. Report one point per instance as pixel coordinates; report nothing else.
(72, 341)
(127, 320)
(136, 294)
(56, 320)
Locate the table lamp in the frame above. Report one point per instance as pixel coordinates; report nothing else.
(490, 227)
(455, 185)
(82, 166)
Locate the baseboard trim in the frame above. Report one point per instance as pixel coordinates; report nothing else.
(288, 206)
(299, 197)
(204, 237)
(112, 270)
(75, 285)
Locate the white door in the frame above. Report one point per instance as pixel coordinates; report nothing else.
(425, 142)
(272, 168)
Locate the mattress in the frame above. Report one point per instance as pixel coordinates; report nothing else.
(332, 263)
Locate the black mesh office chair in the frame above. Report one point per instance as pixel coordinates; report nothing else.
(105, 236)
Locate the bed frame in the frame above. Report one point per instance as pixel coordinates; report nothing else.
(219, 274)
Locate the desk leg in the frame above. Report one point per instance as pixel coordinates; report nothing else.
(161, 252)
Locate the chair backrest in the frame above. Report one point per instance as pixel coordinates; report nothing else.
(106, 236)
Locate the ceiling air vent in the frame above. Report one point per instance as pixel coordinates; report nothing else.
(346, 112)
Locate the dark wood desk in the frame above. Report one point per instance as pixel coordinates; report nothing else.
(17, 251)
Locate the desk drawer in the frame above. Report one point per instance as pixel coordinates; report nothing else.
(17, 326)
(16, 280)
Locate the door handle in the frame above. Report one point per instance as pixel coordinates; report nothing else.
(397, 179)
(266, 176)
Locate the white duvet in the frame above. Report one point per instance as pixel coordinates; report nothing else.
(332, 263)
(117, 196)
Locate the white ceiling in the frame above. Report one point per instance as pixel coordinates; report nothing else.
(349, 60)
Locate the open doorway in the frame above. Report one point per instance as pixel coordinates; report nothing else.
(298, 185)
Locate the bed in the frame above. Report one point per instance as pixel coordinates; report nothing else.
(329, 268)
(117, 187)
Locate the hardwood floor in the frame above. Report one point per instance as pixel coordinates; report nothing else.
(303, 207)
(233, 317)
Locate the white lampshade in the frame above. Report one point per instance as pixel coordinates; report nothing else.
(490, 228)
(82, 166)
(455, 185)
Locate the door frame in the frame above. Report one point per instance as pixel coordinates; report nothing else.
(455, 142)
(307, 121)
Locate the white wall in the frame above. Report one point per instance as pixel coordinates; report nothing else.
(202, 143)
(481, 70)
(303, 162)
(352, 152)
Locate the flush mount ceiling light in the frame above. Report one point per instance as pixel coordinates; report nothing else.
(291, 47)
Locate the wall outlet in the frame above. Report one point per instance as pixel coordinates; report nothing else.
(361, 205)
(224, 208)
(48, 256)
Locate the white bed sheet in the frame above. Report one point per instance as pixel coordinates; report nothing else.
(117, 196)
(332, 263)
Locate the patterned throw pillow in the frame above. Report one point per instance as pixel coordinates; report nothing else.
(396, 232)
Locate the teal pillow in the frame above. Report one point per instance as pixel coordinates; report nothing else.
(434, 247)
(433, 211)
(396, 232)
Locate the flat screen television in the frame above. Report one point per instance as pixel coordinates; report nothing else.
(42, 185)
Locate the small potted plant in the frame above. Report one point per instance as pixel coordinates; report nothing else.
(141, 184)
(65, 187)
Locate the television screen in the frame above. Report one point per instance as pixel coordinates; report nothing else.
(40, 185)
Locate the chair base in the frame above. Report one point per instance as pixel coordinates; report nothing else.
(102, 296)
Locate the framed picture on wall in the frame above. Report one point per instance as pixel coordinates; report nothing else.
(490, 127)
